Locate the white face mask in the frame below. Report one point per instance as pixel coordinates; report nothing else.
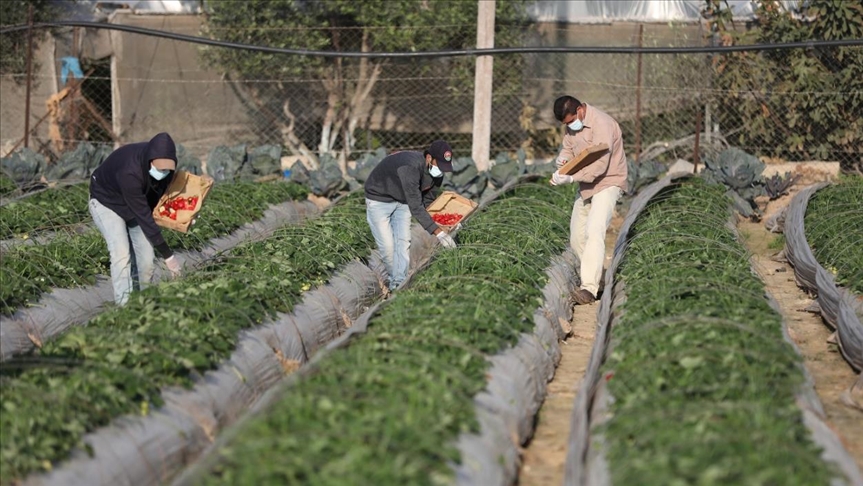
(158, 174)
(435, 171)
(576, 125)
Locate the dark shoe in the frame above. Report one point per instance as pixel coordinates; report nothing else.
(582, 297)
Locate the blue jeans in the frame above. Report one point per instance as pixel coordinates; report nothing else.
(391, 228)
(128, 248)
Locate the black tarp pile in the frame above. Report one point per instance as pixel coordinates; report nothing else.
(465, 179)
(78, 163)
(27, 168)
(366, 164)
(642, 173)
(240, 163)
(24, 167)
(741, 174)
(325, 181)
(505, 169)
(187, 161)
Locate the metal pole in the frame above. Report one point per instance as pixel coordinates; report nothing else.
(638, 97)
(483, 85)
(696, 158)
(29, 75)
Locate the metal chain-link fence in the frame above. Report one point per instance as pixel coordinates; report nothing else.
(110, 87)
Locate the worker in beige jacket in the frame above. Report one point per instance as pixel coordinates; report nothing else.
(600, 186)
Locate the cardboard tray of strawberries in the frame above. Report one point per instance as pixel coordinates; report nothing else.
(182, 201)
(449, 209)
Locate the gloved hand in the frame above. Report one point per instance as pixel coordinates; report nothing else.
(560, 162)
(173, 265)
(457, 227)
(558, 179)
(445, 239)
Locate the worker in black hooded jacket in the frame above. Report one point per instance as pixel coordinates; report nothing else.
(123, 192)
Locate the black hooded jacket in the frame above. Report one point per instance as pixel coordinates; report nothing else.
(404, 177)
(123, 184)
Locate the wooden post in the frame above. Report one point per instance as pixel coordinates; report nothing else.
(29, 76)
(638, 97)
(483, 85)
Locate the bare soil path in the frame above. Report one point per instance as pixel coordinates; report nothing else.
(831, 373)
(545, 455)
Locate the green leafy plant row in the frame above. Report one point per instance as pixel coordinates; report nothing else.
(52, 209)
(388, 408)
(834, 230)
(7, 185)
(67, 261)
(703, 383)
(165, 336)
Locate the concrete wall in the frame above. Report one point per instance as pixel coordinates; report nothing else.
(13, 100)
(163, 85)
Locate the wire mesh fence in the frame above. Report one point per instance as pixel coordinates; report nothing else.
(118, 87)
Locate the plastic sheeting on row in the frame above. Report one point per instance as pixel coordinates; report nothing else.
(44, 237)
(837, 305)
(61, 309)
(517, 386)
(586, 463)
(151, 450)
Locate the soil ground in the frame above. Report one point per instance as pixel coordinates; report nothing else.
(543, 460)
(544, 457)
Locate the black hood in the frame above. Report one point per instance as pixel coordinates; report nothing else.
(160, 147)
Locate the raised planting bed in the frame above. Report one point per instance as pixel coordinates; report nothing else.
(50, 210)
(834, 230)
(389, 406)
(693, 379)
(168, 335)
(28, 271)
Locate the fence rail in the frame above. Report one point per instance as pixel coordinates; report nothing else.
(661, 83)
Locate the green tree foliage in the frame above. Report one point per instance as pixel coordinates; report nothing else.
(13, 47)
(348, 85)
(807, 102)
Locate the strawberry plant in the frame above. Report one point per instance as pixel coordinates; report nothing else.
(703, 383)
(834, 230)
(7, 185)
(388, 408)
(26, 272)
(166, 335)
(51, 209)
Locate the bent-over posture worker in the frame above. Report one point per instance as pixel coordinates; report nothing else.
(401, 185)
(600, 186)
(123, 192)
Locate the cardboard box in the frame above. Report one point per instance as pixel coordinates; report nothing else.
(451, 202)
(183, 185)
(585, 158)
